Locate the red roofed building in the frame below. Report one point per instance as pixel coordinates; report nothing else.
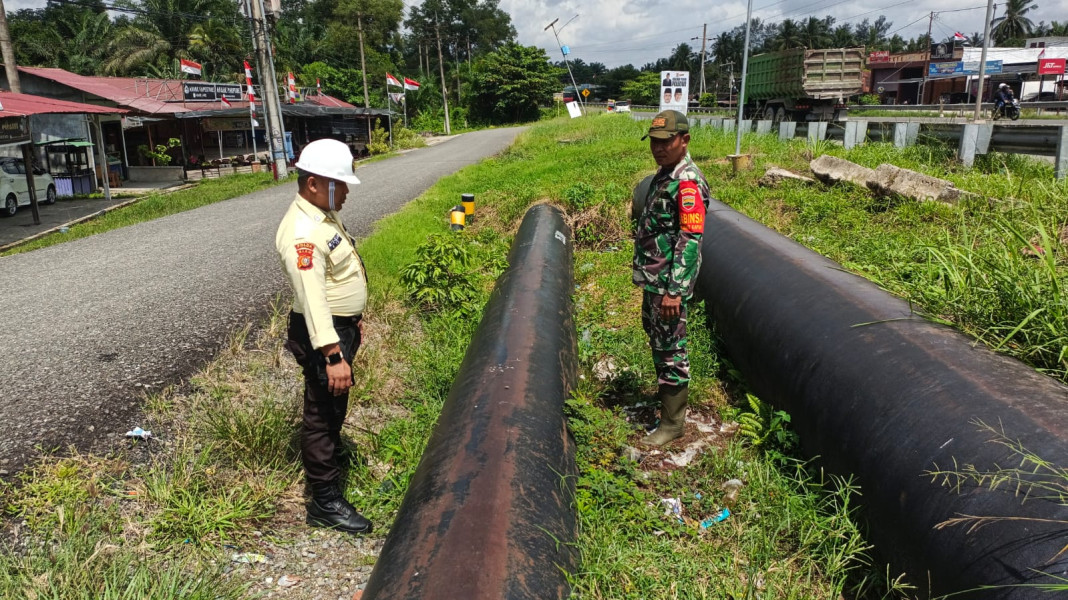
(189, 110)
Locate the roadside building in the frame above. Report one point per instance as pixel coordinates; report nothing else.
(160, 110)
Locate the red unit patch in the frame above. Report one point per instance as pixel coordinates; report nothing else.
(305, 252)
(691, 208)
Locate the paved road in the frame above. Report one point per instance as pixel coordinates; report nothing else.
(90, 324)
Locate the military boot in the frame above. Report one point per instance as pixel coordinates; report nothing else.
(329, 508)
(672, 415)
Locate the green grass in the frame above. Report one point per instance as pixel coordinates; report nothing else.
(156, 205)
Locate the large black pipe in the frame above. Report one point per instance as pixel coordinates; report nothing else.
(488, 514)
(878, 392)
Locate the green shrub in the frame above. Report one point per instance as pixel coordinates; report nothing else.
(441, 278)
(379, 143)
(404, 138)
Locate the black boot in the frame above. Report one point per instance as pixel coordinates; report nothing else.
(329, 508)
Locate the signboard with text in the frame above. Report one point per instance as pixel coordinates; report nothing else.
(199, 91)
(1051, 66)
(14, 130)
(879, 56)
(674, 90)
(962, 68)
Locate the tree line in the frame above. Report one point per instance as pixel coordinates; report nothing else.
(489, 77)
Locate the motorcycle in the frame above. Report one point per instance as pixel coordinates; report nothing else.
(1010, 110)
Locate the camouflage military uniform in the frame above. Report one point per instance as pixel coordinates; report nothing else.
(667, 256)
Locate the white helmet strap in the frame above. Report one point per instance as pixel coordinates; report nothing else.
(330, 189)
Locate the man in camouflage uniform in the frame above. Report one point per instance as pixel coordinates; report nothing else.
(667, 256)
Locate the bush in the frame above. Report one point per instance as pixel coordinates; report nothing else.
(379, 143)
(869, 100)
(441, 277)
(404, 138)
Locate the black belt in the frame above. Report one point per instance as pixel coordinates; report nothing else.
(347, 320)
(343, 321)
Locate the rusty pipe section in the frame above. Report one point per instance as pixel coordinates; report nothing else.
(488, 514)
(880, 393)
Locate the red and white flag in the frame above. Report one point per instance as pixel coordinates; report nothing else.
(225, 102)
(959, 37)
(318, 87)
(248, 73)
(410, 84)
(1042, 54)
(188, 66)
(292, 89)
(391, 80)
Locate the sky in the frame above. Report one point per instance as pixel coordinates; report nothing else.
(619, 32)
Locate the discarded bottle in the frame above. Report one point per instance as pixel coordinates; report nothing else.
(730, 489)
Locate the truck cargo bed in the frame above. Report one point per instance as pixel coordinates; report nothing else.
(798, 73)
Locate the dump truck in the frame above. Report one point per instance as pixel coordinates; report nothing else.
(803, 85)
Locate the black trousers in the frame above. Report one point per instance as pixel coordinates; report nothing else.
(324, 413)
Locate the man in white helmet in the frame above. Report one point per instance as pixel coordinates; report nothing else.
(1003, 96)
(329, 285)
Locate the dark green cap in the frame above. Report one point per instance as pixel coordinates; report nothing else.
(667, 124)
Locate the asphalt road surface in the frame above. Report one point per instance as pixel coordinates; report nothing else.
(88, 326)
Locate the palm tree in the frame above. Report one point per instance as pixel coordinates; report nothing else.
(133, 48)
(789, 36)
(1013, 25)
(816, 33)
(218, 45)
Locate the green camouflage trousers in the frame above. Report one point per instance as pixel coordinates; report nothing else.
(667, 340)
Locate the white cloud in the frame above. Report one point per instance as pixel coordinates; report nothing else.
(641, 31)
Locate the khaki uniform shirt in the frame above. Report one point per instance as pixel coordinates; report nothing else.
(326, 273)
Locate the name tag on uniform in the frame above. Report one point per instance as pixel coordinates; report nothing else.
(334, 241)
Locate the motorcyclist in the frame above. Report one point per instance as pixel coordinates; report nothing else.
(1003, 96)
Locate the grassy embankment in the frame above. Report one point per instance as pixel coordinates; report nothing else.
(156, 205)
(140, 523)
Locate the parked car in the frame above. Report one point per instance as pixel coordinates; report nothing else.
(622, 106)
(13, 188)
(1041, 97)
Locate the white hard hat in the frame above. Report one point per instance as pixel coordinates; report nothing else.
(1004, 85)
(328, 158)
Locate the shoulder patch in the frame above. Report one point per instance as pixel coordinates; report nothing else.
(334, 241)
(305, 252)
(691, 208)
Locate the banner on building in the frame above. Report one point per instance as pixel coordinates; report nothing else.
(674, 90)
(942, 51)
(1051, 66)
(962, 68)
(199, 91)
(879, 56)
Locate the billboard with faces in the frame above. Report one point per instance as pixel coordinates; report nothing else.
(674, 90)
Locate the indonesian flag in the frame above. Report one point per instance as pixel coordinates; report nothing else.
(225, 102)
(292, 89)
(1042, 54)
(190, 67)
(959, 37)
(391, 80)
(248, 73)
(410, 84)
(318, 87)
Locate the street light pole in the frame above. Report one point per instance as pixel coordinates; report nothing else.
(578, 98)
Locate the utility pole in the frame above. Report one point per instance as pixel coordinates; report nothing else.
(741, 88)
(927, 69)
(704, 39)
(578, 96)
(441, 69)
(271, 106)
(363, 65)
(982, 61)
(8, 53)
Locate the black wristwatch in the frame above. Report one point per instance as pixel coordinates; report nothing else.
(333, 359)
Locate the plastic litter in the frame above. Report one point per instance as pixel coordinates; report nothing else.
(731, 487)
(249, 558)
(672, 507)
(716, 518)
(137, 432)
(286, 581)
